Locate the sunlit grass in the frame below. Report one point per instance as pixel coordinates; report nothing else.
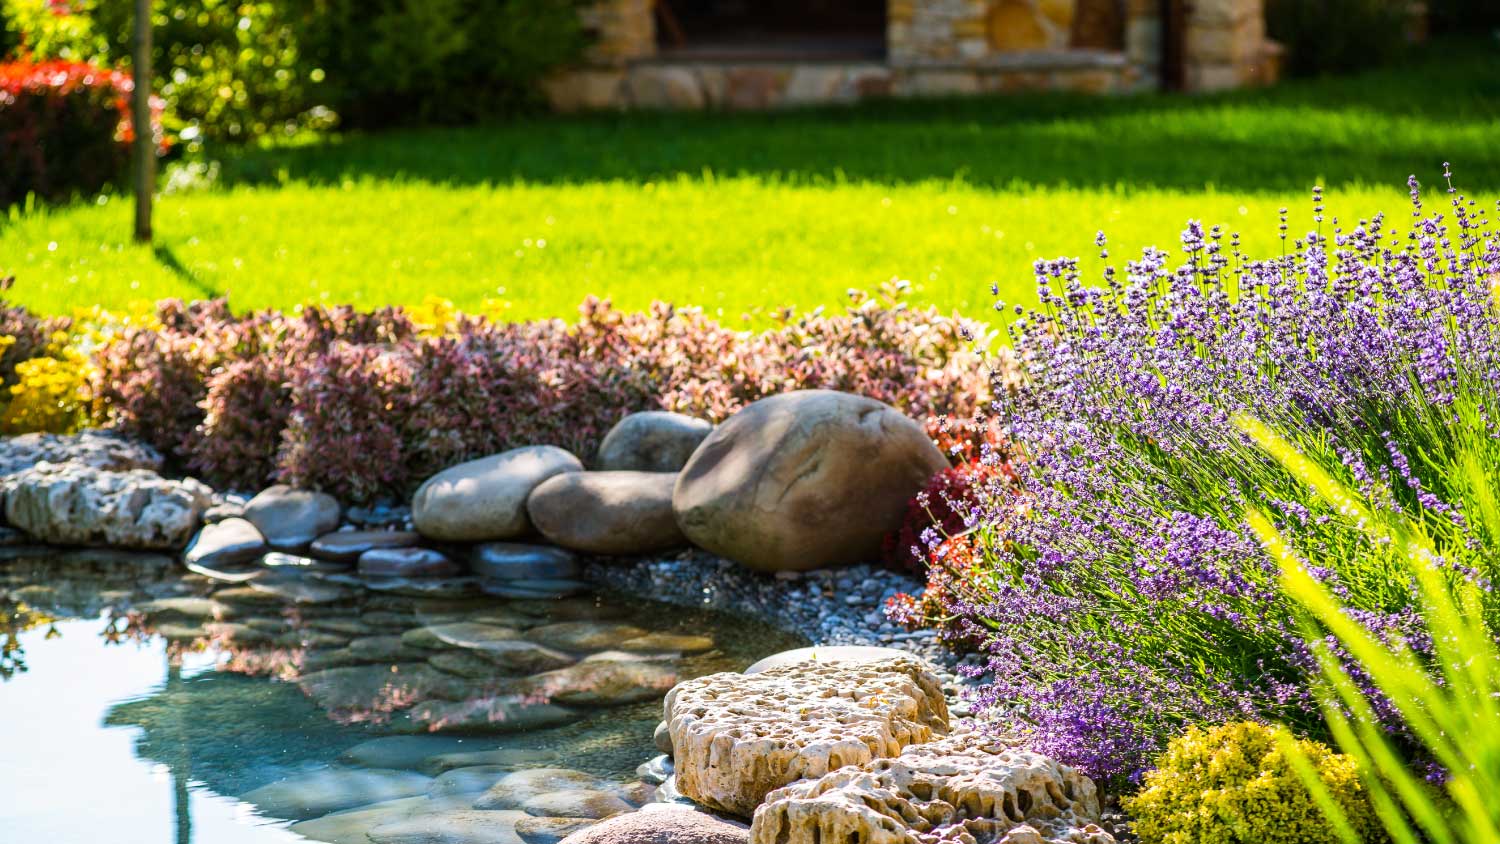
(745, 212)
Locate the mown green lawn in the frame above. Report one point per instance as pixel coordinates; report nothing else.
(748, 212)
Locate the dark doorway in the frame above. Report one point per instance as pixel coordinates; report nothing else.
(771, 29)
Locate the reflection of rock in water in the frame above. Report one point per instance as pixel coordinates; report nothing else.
(236, 732)
(581, 679)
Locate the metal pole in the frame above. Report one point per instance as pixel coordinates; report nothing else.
(144, 149)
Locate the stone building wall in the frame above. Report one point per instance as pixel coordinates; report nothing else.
(933, 47)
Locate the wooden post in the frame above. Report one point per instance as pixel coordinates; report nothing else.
(144, 150)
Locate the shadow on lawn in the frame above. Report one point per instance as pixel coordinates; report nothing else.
(1444, 104)
(169, 261)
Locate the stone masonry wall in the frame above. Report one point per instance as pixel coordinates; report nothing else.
(934, 48)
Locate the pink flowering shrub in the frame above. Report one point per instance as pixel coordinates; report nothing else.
(363, 405)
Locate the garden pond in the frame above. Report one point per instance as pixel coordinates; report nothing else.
(143, 704)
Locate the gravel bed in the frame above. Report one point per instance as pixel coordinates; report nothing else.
(828, 607)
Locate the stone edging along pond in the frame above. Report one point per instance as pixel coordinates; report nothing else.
(787, 488)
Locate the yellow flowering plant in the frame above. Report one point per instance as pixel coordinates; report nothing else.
(1236, 784)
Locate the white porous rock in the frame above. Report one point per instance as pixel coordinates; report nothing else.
(737, 737)
(97, 449)
(966, 789)
(76, 504)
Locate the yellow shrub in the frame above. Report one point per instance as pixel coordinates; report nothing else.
(50, 393)
(1233, 785)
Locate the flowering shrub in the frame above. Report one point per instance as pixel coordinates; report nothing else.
(367, 405)
(1127, 597)
(1234, 784)
(948, 506)
(63, 128)
(50, 393)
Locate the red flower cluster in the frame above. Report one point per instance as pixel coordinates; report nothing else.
(64, 127)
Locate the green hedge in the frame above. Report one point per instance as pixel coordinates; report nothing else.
(1336, 36)
(237, 70)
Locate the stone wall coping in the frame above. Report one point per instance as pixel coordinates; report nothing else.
(1071, 59)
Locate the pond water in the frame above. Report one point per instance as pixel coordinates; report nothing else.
(141, 704)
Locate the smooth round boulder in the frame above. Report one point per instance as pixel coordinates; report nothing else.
(291, 518)
(804, 480)
(675, 825)
(485, 499)
(613, 513)
(653, 441)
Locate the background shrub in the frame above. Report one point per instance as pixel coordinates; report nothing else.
(1335, 36)
(1234, 784)
(370, 404)
(438, 61)
(63, 128)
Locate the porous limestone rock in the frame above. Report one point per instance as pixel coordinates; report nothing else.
(737, 737)
(609, 513)
(485, 499)
(96, 449)
(966, 789)
(674, 825)
(653, 441)
(804, 480)
(75, 504)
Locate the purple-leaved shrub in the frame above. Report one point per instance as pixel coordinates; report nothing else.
(365, 405)
(1124, 595)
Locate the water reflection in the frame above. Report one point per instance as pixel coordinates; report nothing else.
(144, 705)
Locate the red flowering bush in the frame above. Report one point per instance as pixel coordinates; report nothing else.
(363, 405)
(947, 507)
(64, 127)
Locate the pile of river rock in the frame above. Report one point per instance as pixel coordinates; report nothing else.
(858, 751)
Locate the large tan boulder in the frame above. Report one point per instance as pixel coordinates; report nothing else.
(966, 788)
(607, 512)
(804, 480)
(737, 737)
(485, 499)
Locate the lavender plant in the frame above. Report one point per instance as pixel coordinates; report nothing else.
(1124, 595)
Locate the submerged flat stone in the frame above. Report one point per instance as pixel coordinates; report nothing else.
(533, 589)
(457, 826)
(513, 790)
(602, 683)
(509, 757)
(322, 792)
(205, 609)
(505, 714)
(535, 830)
(584, 636)
(405, 752)
(346, 546)
(576, 803)
(372, 688)
(461, 634)
(668, 643)
(474, 779)
(299, 591)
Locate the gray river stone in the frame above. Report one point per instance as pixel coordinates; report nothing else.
(652, 441)
(485, 499)
(462, 664)
(518, 561)
(282, 563)
(290, 519)
(346, 546)
(352, 826)
(220, 550)
(608, 683)
(322, 792)
(298, 591)
(406, 562)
